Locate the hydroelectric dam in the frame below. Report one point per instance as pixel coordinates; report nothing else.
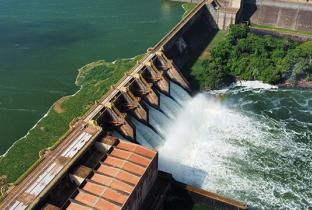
(99, 164)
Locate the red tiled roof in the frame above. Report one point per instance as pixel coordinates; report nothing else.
(138, 149)
(96, 202)
(115, 179)
(75, 206)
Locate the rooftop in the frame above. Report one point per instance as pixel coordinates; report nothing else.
(110, 184)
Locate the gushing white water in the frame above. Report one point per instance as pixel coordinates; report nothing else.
(169, 106)
(146, 136)
(224, 150)
(199, 140)
(158, 120)
(255, 85)
(178, 93)
(246, 142)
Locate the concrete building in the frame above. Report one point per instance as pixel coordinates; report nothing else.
(120, 180)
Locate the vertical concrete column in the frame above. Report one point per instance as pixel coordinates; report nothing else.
(146, 90)
(173, 72)
(159, 78)
(119, 121)
(134, 105)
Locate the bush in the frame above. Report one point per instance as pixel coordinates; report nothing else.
(252, 57)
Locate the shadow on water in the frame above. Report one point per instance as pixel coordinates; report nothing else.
(179, 198)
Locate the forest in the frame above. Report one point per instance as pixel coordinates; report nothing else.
(246, 56)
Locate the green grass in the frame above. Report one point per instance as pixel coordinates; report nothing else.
(95, 80)
(187, 8)
(282, 30)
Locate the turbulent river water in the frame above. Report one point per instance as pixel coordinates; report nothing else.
(44, 42)
(250, 142)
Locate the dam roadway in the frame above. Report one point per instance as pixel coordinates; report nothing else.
(55, 163)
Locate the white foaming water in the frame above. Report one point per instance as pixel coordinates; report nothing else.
(178, 93)
(211, 146)
(242, 86)
(157, 120)
(215, 143)
(169, 106)
(199, 141)
(254, 85)
(145, 135)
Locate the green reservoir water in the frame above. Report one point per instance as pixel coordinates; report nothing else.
(43, 44)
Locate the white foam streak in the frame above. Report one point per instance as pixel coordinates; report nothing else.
(200, 139)
(254, 85)
(211, 146)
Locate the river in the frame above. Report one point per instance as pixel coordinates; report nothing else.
(43, 44)
(250, 142)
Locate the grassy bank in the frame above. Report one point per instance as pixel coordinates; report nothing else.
(282, 30)
(94, 79)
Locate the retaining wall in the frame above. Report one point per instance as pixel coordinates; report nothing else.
(295, 15)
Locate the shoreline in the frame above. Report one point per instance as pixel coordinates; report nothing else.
(80, 87)
(50, 128)
(94, 80)
(66, 97)
(36, 124)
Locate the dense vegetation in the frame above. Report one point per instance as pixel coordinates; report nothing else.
(95, 79)
(247, 56)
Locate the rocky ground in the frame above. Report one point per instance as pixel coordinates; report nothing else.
(298, 84)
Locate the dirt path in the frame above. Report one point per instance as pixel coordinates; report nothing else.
(58, 105)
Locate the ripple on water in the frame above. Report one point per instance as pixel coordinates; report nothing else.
(252, 146)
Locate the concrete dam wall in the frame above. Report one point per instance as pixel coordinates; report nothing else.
(158, 77)
(137, 109)
(192, 39)
(144, 94)
(134, 108)
(295, 15)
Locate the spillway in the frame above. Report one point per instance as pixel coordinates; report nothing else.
(147, 136)
(238, 142)
(247, 143)
(158, 120)
(178, 93)
(169, 106)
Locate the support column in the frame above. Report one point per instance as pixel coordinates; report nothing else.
(134, 106)
(159, 78)
(146, 90)
(173, 72)
(119, 121)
